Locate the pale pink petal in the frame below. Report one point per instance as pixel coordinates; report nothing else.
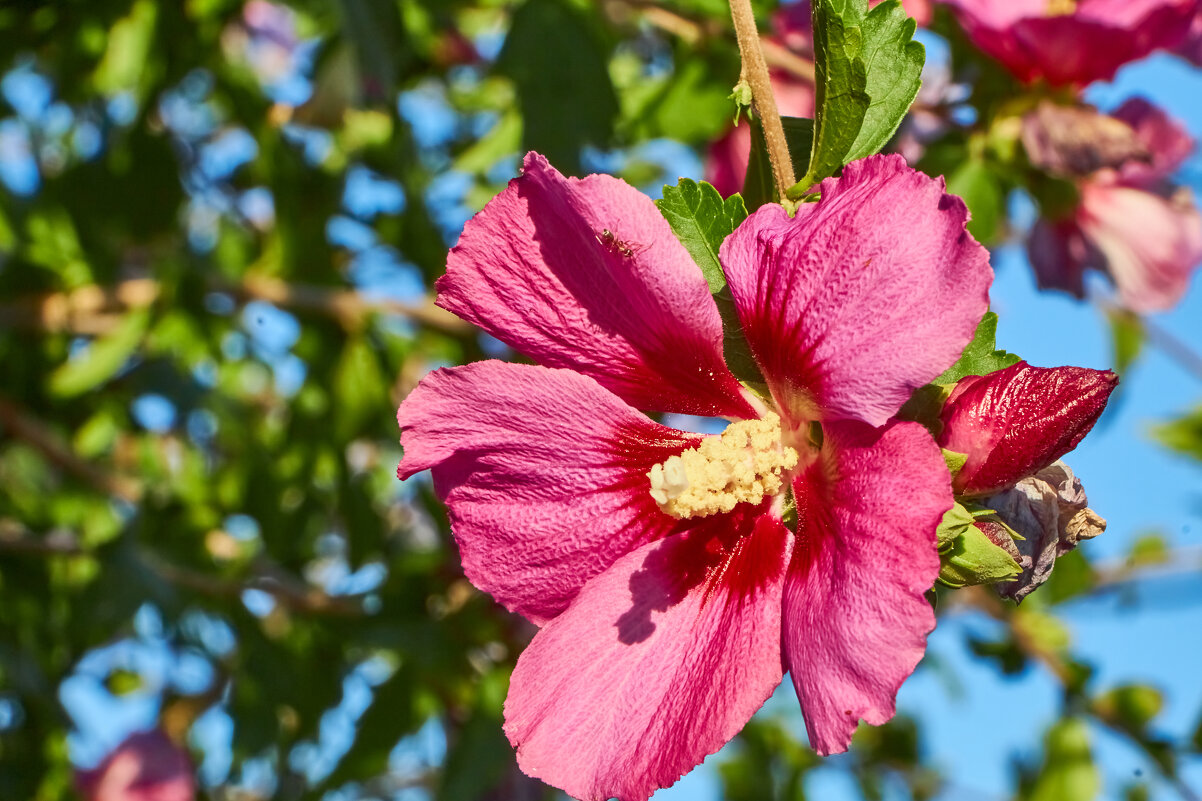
(659, 661)
(1014, 422)
(146, 766)
(855, 619)
(1072, 49)
(1151, 244)
(587, 274)
(861, 298)
(544, 476)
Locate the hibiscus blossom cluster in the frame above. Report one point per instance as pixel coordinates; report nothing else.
(1124, 217)
(675, 577)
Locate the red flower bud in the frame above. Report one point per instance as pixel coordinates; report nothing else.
(1014, 422)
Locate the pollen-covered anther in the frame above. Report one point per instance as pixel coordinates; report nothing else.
(743, 465)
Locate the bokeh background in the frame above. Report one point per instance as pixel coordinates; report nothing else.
(219, 226)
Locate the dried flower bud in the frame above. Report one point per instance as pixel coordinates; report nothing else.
(1049, 511)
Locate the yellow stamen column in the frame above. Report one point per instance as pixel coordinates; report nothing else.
(743, 465)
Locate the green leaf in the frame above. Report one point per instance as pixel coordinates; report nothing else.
(360, 387)
(559, 65)
(758, 185)
(1183, 435)
(955, 521)
(1126, 337)
(702, 220)
(1069, 772)
(841, 86)
(129, 43)
(102, 359)
(1132, 705)
(893, 63)
(981, 356)
(983, 193)
(867, 72)
(1149, 549)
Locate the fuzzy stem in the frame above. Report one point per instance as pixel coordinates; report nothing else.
(755, 70)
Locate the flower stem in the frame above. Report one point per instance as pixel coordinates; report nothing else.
(755, 71)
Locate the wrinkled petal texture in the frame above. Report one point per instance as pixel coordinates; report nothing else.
(1150, 243)
(587, 274)
(543, 472)
(1072, 49)
(1165, 138)
(1018, 420)
(659, 662)
(862, 297)
(855, 619)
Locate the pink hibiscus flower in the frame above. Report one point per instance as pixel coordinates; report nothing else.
(670, 592)
(1130, 223)
(1072, 42)
(147, 766)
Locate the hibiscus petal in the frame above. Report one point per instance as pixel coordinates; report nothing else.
(1166, 139)
(587, 274)
(855, 619)
(1017, 421)
(1151, 244)
(861, 298)
(544, 475)
(660, 661)
(1072, 49)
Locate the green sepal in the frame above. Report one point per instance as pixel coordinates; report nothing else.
(954, 461)
(966, 555)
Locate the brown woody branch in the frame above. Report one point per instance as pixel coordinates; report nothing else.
(93, 310)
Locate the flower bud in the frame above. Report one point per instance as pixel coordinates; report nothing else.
(1014, 422)
(1049, 511)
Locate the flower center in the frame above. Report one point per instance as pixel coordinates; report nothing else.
(744, 465)
(1061, 8)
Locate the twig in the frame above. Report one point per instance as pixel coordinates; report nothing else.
(288, 591)
(24, 426)
(92, 310)
(694, 31)
(755, 70)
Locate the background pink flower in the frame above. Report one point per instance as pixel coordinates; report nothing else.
(668, 618)
(1087, 42)
(146, 766)
(1130, 223)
